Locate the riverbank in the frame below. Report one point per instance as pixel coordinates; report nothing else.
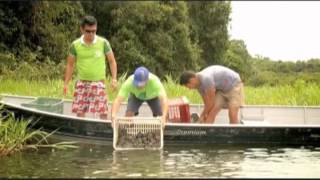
(299, 93)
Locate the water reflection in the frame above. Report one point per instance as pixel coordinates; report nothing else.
(96, 161)
(281, 162)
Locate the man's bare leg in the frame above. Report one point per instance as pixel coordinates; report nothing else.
(129, 114)
(233, 115)
(212, 114)
(103, 116)
(81, 114)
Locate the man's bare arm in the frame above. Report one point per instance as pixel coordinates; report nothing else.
(112, 65)
(164, 107)
(208, 100)
(68, 72)
(115, 107)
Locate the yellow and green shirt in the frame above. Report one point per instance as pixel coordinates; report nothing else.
(152, 89)
(91, 59)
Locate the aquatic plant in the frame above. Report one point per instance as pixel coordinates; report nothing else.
(18, 134)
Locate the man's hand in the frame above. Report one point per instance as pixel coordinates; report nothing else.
(163, 121)
(203, 117)
(65, 90)
(113, 118)
(114, 84)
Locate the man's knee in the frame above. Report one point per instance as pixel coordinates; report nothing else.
(81, 114)
(155, 106)
(103, 116)
(131, 113)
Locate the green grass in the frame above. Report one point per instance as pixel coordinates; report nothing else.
(298, 93)
(17, 135)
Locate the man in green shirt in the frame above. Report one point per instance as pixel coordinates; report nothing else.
(139, 87)
(89, 53)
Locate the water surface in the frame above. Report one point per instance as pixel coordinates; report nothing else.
(228, 161)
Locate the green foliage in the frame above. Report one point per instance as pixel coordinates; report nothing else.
(8, 63)
(210, 28)
(175, 90)
(17, 134)
(53, 26)
(237, 58)
(12, 67)
(274, 73)
(14, 25)
(43, 27)
(168, 37)
(102, 10)
(298, 93)
(35, 38)
(155, 35)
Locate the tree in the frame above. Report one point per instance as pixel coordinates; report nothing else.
(14, 25)
(238, 59)
(210, 28)
(153, 34)
(53, 26)
(39, 26)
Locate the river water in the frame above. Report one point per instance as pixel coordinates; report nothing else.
(189, 161)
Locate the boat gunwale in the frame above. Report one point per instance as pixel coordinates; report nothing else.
(107, 121)
(191, 104)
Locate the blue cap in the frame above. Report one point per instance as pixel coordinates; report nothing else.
(141, 76)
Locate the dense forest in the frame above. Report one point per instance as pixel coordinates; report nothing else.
(165, 36)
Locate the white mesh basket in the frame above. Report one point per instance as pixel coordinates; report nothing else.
(130, 133)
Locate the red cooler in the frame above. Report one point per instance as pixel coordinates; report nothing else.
(179, 110)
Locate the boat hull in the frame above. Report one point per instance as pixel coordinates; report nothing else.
(177, 133)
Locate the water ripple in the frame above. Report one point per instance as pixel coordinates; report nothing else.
(171, 162)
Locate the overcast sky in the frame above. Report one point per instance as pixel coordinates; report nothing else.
(285, 30)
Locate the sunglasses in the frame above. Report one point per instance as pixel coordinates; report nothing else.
(88, 31)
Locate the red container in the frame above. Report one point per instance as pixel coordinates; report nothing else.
(179, 110)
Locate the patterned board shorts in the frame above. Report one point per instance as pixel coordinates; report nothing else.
(89, 96)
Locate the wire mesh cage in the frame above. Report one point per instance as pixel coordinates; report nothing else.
(130, 133)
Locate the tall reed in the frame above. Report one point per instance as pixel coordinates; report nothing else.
(17, 135)
(299, 93)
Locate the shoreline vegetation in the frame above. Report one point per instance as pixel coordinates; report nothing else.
(300, 93)
(166, 37)
(18, 135)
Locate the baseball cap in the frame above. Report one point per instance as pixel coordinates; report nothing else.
(141, 76)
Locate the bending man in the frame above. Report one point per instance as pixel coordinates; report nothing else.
(219, 87)
(139, 87)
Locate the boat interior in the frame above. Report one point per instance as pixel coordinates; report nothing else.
(248, 114)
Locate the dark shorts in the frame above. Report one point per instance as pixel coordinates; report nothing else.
(134, 104)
